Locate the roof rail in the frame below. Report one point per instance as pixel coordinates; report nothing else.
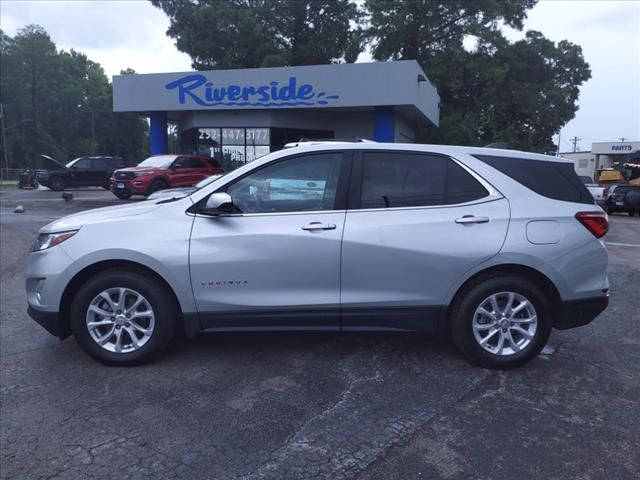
(501, 145)
(320, 141)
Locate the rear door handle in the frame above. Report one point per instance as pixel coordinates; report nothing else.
(319, 226)
(466, 219)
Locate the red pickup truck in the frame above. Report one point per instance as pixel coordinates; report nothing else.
(162, 171)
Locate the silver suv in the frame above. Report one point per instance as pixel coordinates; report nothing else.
(494, 246)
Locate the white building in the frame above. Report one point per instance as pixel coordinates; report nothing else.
(601, 155)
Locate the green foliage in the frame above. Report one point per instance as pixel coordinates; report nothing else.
(521, 92)
(263, 33)
(51, 99)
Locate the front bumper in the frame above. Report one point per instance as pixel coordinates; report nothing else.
(132, 186)
(576, 313)
(51, 322)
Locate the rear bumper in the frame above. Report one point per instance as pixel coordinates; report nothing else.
(50, 321)
(576, 313)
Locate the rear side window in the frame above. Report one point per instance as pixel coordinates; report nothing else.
(213, 162)
(398, 179)
(550, 179)
(99, 164)
(196, 163)
(461, 186)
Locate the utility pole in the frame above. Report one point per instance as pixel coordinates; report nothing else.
(559, 138)
(622, 139)
(4, 145)
(93, 132)
(575, 141)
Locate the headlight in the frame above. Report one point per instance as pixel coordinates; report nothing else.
(48, 240)
(142, 174)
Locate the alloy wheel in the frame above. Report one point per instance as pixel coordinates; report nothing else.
(505, 323)
(120, 320)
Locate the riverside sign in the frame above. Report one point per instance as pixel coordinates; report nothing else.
(197, 89)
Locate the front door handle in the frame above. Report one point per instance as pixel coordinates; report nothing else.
(467, 219)
(319, 226)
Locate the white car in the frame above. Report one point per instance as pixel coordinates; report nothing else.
(335, 236)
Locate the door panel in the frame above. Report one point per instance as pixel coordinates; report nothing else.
(412, 257)
(275, 263)
(245, 265)
(417, 222)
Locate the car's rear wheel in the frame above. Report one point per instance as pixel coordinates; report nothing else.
(501, 322)
(158, 185)
(56, 183)
(122, 317)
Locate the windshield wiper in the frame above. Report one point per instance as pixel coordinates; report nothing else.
(169, 200)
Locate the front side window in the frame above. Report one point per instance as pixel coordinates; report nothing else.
(299, 184)
(83, 164)
(181, 162)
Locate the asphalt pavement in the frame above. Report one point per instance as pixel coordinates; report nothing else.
(315, 405)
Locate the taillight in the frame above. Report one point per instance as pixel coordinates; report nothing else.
(596, 222)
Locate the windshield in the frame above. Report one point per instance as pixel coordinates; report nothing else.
(72, 163)
(158, 161)
(206, 181)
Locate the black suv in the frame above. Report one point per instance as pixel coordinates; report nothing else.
(623, 198)
(82, 172)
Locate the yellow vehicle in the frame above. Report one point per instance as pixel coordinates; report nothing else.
(609, 175)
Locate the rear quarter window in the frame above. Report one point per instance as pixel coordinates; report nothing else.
(554, 180)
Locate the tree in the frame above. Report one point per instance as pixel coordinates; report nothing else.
(263, 33)
(61, 104)
(521, 92)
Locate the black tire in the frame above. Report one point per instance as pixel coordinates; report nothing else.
(56, 184)
(471, 297)
(157, 294)
(122, 195)
(158, 184)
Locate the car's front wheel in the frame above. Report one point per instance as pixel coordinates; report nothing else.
(56, 183)
(158, 184)
(122, 317)
(501, 322)
(122, 194)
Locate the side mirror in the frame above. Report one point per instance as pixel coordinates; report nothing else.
(218, 204)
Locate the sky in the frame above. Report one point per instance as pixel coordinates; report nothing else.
(132, 33)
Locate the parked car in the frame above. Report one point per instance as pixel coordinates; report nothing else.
(624, 198)
(92, 171)
(598, 192)
(161, 172)
(335, 236)
(183, 191)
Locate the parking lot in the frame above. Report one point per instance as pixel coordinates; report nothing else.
(315, 405)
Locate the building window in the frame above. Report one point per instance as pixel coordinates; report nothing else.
(583, 163)
(233, 147)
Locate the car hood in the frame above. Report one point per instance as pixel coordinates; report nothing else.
(49, 163)
(77, 220)
(171, 192)
(139, 169)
